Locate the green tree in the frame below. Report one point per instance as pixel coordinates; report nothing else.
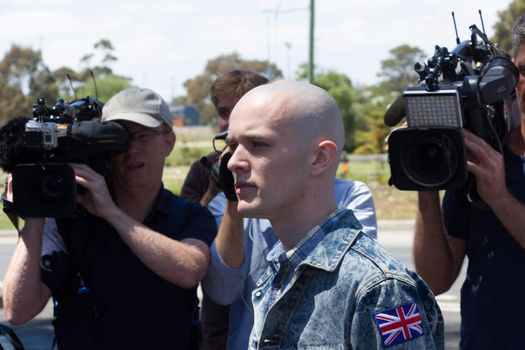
(106, 87)
(372, 140)
(198, 88)
(23, 78)
(371, 130)
(104, 83)
(397, 71)
(340, 87)
(503, 27)
(66, 77)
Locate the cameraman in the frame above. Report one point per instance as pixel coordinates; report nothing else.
(492, 300)
(123, 276)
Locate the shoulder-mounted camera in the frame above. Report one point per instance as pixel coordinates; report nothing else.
(470, 87)
(37, 152)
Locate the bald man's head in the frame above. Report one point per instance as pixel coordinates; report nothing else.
(286, 138)
(312, 110)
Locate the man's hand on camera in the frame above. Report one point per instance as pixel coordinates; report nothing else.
(8, 196)
(487, 165)
(96, 199)
(404, 125)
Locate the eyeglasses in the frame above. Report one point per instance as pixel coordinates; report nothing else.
(144, 137)
(219, 142)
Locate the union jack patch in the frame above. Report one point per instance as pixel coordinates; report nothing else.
(399, 325)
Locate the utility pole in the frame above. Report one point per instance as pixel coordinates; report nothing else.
(289, 61)
(311, 42)
(268, 40)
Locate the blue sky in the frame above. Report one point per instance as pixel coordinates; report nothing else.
(162, 43)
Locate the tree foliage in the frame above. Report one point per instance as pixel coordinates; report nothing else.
(397, 71)
(340, 87)
(104, 88)
(198, 88)
(503, 27)
(24, 78)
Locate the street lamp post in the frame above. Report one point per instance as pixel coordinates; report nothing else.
(289, 62)
(311, 43)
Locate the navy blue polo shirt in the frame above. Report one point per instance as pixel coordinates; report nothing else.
(492, 302)
(134, 307)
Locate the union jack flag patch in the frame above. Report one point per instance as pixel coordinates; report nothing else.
(399, 325)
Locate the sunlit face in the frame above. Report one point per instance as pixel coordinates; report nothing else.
(224, 108)
(142, 164)
(269, 164)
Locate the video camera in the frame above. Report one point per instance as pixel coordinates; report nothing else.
(471, 87)
(37, 152)
(219, 172)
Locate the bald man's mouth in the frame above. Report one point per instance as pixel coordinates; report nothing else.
(244, 189)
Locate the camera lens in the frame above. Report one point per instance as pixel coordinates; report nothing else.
(44, 190)
(52, 186)
(49, 188)
(430, 159)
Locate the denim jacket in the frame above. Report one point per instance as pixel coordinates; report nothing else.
(340, 294)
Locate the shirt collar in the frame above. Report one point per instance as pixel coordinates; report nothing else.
(160, 204)
(336, 233)
(279, 257)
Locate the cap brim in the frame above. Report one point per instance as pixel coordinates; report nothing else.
(138, 118)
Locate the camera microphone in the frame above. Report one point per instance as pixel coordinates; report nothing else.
(13, 149)
(395, 112)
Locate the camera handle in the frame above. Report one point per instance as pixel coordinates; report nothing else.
(8, 209)
(473, 195)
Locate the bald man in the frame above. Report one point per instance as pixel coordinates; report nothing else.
(328, 285)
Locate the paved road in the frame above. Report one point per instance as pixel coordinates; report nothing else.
(396, 236)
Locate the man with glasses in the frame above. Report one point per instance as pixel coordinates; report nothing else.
(124, 274)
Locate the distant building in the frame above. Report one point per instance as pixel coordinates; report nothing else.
(185, 115)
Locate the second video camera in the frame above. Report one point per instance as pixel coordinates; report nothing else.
(471, 87)
(37, 153)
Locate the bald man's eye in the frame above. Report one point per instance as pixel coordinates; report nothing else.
(259, 144)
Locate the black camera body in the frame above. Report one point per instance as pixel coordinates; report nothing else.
(37, 152)
(472, 87)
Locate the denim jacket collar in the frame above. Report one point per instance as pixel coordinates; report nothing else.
(329, 252)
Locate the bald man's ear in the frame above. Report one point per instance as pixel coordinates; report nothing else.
(324, 160)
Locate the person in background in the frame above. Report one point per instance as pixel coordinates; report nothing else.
(225, 91)
(493, 240)
(125, 274)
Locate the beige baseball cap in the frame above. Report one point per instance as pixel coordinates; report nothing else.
(138, 105)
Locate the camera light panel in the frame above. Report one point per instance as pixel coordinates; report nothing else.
(433, 109)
